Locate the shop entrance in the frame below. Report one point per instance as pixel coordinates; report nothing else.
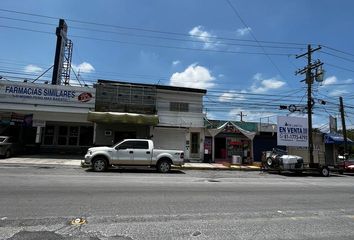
(220, 148)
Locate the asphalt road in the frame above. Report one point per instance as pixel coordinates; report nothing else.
(39, 202)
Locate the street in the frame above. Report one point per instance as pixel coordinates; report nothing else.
(40, 201)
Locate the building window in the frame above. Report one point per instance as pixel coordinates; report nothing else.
(68, 135)
(49, 135)
(63, 135)
(73, 135)
(179, 107)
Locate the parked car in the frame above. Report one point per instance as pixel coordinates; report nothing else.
(133, 152)
(8, 146)
(346, 166)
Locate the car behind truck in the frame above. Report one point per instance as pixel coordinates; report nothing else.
(133, 152)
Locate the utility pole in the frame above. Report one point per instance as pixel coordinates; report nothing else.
(241, 115)
(344, 129)
(309, 81)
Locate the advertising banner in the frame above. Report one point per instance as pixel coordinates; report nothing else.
(292, 131)
(45, 94)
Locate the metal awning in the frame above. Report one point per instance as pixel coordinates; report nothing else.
(335, 138)
(119, 117)
(216, 131)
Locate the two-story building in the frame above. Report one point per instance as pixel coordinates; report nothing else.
(171, 116)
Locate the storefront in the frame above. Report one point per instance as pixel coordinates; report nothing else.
(227, 141)
(157, 112)
(52, 117)
(334, 146)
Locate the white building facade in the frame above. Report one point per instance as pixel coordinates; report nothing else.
(171, 116)
(52, 117)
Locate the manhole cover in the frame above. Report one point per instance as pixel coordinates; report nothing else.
(78, 221)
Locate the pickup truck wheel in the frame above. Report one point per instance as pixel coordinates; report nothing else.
(99, 165)
(163, 166)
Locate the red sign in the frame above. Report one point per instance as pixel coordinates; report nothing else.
(84, 97)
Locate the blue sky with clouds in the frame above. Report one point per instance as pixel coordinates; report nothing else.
(242, 52)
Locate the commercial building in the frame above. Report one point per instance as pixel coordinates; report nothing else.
(171, 116)
(52, 117)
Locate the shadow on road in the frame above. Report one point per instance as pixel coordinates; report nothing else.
(135, 170)
(307, 174)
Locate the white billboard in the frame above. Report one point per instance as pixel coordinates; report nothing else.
(45, 94)
(292, 131)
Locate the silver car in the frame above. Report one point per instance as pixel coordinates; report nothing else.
(7, 146)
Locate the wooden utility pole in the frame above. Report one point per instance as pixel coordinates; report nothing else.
(344, 129)
(309, 81)
(242, 115)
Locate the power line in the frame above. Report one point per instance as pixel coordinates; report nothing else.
(158, 37)
(340, 51)
(337, 56)
(244, 23)
(144, 29)
(153, 45)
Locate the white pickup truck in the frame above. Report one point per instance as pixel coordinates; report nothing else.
(133, 152)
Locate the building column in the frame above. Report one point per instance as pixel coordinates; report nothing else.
(38, 134)
(213, 149)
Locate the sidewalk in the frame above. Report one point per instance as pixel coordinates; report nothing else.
(76, 161)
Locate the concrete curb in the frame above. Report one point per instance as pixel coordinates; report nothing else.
(78, 163)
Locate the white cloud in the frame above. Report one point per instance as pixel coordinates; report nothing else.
(174, 63)
(348, 80)
(204, 36)
(338, 92)
(243, 31)
(193, 76)
(262, 85)
(84, 67)
(330, 80)
(33, 69)
(231, 96)
(221, 75)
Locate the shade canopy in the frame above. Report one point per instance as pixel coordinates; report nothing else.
(216, 131)
(119, 117)
(335, 138)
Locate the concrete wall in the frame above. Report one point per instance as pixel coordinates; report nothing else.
(102, 138)
(192, 118)
(318, 150)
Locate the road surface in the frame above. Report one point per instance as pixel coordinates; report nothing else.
(40, 202)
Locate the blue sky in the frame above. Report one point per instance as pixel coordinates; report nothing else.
(243, 54)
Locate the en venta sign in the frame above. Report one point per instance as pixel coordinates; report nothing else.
(292, 131)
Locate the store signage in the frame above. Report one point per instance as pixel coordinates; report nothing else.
(18, 92)
(292, 131)
(38, 123)
(229, 128)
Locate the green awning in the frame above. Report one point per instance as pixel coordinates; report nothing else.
(119, 117)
